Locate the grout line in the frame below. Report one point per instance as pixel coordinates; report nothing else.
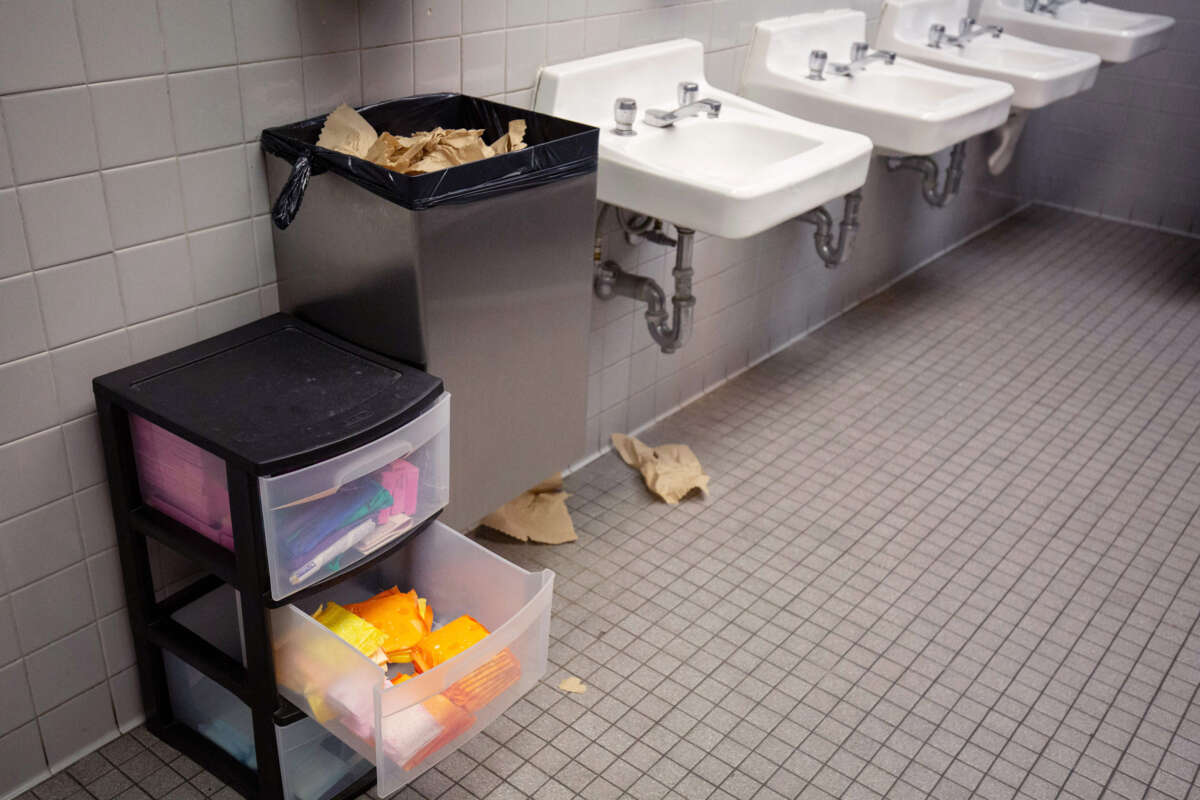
(1124, 220)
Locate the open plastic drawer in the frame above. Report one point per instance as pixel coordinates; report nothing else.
(314, 763)
(322, 519)
(406, 728)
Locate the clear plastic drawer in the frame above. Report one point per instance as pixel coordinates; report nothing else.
(321, 519)
(406, 728)
(182, 480)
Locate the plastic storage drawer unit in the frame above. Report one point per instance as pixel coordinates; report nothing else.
(348, 451)
(406, 728)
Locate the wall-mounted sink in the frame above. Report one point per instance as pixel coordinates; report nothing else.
(934, 32)
(904, 107)
(1111, 33)
(735, 175)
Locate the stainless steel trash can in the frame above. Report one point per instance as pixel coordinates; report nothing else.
(492, 294)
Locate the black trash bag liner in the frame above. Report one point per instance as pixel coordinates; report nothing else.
(556, 149)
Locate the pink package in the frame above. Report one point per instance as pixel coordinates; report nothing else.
(401, 480)
(182, 481)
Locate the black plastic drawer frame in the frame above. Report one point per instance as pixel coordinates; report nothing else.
(154, 631)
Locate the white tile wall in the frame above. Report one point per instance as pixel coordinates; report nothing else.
(64, 219)
(121, 38)
(133, 120)
(39, 45)
(80, 300)
(78, 725)
(1130, 148)
(51, 133)
(206, 109)
(132, 221)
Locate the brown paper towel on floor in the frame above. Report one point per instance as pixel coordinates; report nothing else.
(537, 515)
(671, 471)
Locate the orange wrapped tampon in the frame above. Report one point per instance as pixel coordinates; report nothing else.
(447, 642)
(485, 683)
(403, 617)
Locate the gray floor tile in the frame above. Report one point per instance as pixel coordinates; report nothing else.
(89, 768)
(58, 787)
(109, 785)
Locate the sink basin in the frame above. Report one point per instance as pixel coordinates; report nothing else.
(1039, 74)
(1111, 33)
(746, 171)
(905, 107)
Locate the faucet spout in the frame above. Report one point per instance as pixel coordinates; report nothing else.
(658, 118)
(968, 31)
(860, 57)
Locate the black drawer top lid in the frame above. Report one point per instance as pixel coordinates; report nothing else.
(273, 396)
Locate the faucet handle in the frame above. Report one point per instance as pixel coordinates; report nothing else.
(688, 92)
(817, 60)
(998, 30)
(966, 25)
(937, 33)
(859, 50)
(624, 113)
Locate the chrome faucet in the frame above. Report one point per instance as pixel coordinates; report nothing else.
(1050, 7)
(624, 114)
(860, 57)
(690, 105)
(967, 31)
(817, 60)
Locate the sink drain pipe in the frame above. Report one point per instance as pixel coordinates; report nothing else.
(835, 254)
(936, 196)
(611, 280)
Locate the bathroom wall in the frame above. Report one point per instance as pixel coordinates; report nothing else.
(132, 221)
(1130, 148)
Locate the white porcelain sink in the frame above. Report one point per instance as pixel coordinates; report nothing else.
(1111, 33)
(905, 107)
(734, 176)
(1038, 73)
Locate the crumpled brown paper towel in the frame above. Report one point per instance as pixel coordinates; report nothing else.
(671, 471)
(346, 131)
(538, 515)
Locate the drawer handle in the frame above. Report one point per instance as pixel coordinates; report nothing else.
(343, 475)
(362, 466)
